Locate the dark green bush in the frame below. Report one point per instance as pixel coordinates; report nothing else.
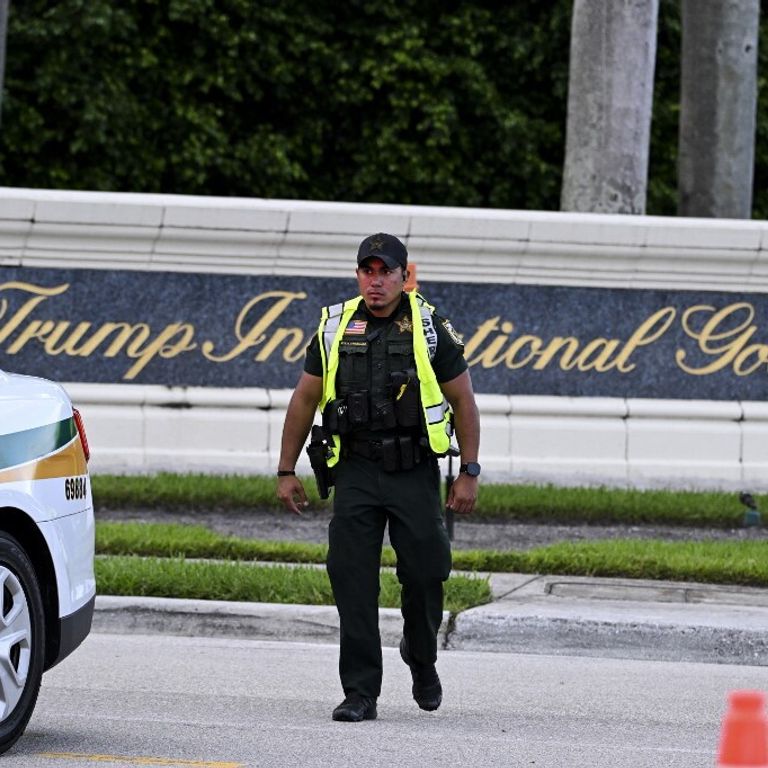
(380, 101)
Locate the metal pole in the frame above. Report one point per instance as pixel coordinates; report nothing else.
(448, 484)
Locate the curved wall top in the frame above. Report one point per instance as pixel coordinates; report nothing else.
(103, 230)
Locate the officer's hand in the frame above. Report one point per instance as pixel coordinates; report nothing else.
(290, 491)
(463, 494)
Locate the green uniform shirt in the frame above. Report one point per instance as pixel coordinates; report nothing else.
(447, 363)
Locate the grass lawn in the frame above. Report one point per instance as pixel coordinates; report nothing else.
(541, 503)
(172, 560)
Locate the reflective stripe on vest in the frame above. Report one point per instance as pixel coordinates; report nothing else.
(437, 412)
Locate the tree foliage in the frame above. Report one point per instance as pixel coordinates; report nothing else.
(450, 103)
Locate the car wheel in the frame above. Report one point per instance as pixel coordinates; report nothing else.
(22, 625)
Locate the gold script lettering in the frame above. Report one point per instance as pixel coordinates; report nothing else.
(249, 336)
(41, 294)
(55, 346)
(599, 354)
(56, 337)
(555, 345)
(480, 335)
(602, 349)
(517, 346)
(161, 345)
(648, 332)
(37, 329)
(716, 339)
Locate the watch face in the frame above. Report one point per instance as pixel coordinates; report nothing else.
(472, 468)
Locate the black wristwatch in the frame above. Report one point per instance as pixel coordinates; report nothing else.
(472, 468)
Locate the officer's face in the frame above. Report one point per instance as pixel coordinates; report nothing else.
(380, 286)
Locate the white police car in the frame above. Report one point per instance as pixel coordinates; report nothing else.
(46, 541)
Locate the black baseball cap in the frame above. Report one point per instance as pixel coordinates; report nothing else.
(385, 247)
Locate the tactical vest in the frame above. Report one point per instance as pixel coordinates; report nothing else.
(377, 373)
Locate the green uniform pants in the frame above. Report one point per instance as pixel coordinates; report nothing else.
(365, 499)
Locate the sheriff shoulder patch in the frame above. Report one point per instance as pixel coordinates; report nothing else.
(452, 333)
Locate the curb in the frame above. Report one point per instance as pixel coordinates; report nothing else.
(254, 621)
(618, 618)
(628, 639)
(723, 634)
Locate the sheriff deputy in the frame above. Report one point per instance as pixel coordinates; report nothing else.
(388, 376)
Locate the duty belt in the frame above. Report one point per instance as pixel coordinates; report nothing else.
(395, 452)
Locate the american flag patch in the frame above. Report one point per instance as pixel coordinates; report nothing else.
(356, 327)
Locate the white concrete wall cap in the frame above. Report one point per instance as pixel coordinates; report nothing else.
(229, 398)
(754, 410)
(17, 208)
(760, 264)
(546, 405)
(280, 397)
(118, 230)
(150, 394)
(589, 254)
(62, 239)
(684, 409)
(689, 259)
(494, 404)
(754, 449)
(246, 218)
(107, 394)
(472, 227)
(191, 242)
(705, 233)
(107, 212)
(684, 475)
(602, 231)
(481, 250)
(227, 266)
(357, 223)
(14, 234)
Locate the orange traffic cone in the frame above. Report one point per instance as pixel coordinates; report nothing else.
(744, 738)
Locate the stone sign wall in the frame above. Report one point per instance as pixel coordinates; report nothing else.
(218, 330)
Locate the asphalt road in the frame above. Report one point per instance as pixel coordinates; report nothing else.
(223, 703)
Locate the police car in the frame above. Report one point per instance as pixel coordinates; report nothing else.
(46, 541)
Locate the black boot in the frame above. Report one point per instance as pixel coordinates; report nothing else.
(427, 691)
(355, 708)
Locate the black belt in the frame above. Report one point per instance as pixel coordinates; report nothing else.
(393, 452)
(368, 449)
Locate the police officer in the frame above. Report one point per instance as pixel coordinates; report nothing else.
(385, 371)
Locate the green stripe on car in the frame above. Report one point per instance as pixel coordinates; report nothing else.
(30, 444)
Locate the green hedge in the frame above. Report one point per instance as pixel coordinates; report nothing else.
(438, 103)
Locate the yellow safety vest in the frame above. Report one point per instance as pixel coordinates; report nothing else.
(437, 411)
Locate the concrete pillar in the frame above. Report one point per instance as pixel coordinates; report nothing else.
(717, 108)
(610, 98)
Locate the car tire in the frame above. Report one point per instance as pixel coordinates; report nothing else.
(22, 628)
